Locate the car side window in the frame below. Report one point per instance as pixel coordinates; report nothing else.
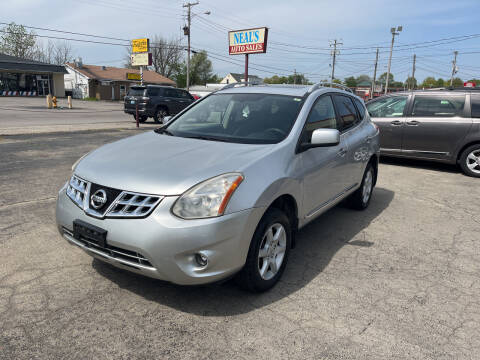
(438, 105)
(392, 106)
(170, 93)
(322, 116)
(360, 108)
(475, 100)
(345, 111)
(185, 95)
(153, 92)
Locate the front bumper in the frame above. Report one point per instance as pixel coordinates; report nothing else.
(168, 243)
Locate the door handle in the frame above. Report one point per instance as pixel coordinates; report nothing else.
(342, 152)
(396, 122)
(413, 122)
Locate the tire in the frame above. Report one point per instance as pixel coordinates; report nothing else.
(160, 113)
(141, 118)
(259, 273)
(360, 199)
(470, 161)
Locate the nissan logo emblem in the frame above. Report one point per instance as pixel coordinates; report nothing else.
(98, 199)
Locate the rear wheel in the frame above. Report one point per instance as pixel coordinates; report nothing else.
(268, 253)
(360, 199)
(159, 115)
(470, 161)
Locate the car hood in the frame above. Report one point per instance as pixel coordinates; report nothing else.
(165, 165)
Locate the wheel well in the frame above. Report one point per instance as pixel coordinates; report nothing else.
(288, 205)
(374, 161)
(163, 107)
(464, 147)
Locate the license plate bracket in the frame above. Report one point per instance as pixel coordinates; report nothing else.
(89, 232)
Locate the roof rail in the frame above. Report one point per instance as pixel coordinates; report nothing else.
(232, 85)
(323, 83)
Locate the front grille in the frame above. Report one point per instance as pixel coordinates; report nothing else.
(129, 256)
(119, 204)
(77, 190)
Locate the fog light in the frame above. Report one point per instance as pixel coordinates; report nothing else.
(201, 259)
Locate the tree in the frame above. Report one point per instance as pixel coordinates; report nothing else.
(362, 78)
(457, 82)
(337, 81)
(167, 55)
(429, 82)
(200, 71)
(440, 82)
(350, 81)
(275, 79)
(382, 79)
(411, 82)
(15, 40)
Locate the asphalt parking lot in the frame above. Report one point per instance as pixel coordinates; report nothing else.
(397, 281)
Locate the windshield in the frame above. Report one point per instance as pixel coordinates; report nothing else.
(243, 118)
(136, 91)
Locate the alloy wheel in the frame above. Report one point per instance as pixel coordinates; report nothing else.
(272, 251)
(367, 186)
(473, 161)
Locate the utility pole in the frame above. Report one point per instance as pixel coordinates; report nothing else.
(294, 76)
(186, 31)
(394, 32)
(334, 56)
(413, 73)
(454, 67)
(374, 76)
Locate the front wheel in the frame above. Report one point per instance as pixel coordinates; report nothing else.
(470, 161)
(159, 115)
(268, 253)
(360, 199)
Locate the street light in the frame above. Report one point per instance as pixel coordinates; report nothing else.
(394, 32)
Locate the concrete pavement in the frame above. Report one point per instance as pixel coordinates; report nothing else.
(397, 281)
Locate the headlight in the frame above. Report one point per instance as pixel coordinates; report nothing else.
(207, 199)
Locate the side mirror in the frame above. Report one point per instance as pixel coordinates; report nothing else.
(167, 119)
(322, 138)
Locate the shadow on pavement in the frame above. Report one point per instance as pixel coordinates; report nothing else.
(420, 164)
(317, 243)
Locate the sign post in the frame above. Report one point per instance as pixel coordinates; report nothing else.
(141, 55)
(248, 41)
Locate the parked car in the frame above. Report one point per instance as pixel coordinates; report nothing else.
(156, 101)
(223, 187)
(439, 125)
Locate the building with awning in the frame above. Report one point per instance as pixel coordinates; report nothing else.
(23, 77)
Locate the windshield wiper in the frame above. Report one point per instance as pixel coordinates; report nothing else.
(163, 131)
(210, 138)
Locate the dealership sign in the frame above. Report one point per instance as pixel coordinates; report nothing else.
(249, 41)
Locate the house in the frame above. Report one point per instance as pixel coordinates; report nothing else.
(105, 82)
(23, 77)
(233, 78)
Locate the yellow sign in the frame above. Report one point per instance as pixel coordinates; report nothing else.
(133, 76)
(140, 45)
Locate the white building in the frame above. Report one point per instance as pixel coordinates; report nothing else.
(233, 78)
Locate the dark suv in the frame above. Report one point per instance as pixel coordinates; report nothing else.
(439, 125)
(156, 101)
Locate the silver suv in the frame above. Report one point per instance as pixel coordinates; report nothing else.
(222, 188)
(439, 125)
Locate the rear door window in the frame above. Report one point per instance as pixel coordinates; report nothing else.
(438, 105)
(154, 91)
(475, 100)
(171, 93)
(346, 112)
(393, 106)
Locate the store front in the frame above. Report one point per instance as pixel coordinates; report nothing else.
(20, 77)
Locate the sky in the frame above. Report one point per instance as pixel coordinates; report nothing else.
(300, 32)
